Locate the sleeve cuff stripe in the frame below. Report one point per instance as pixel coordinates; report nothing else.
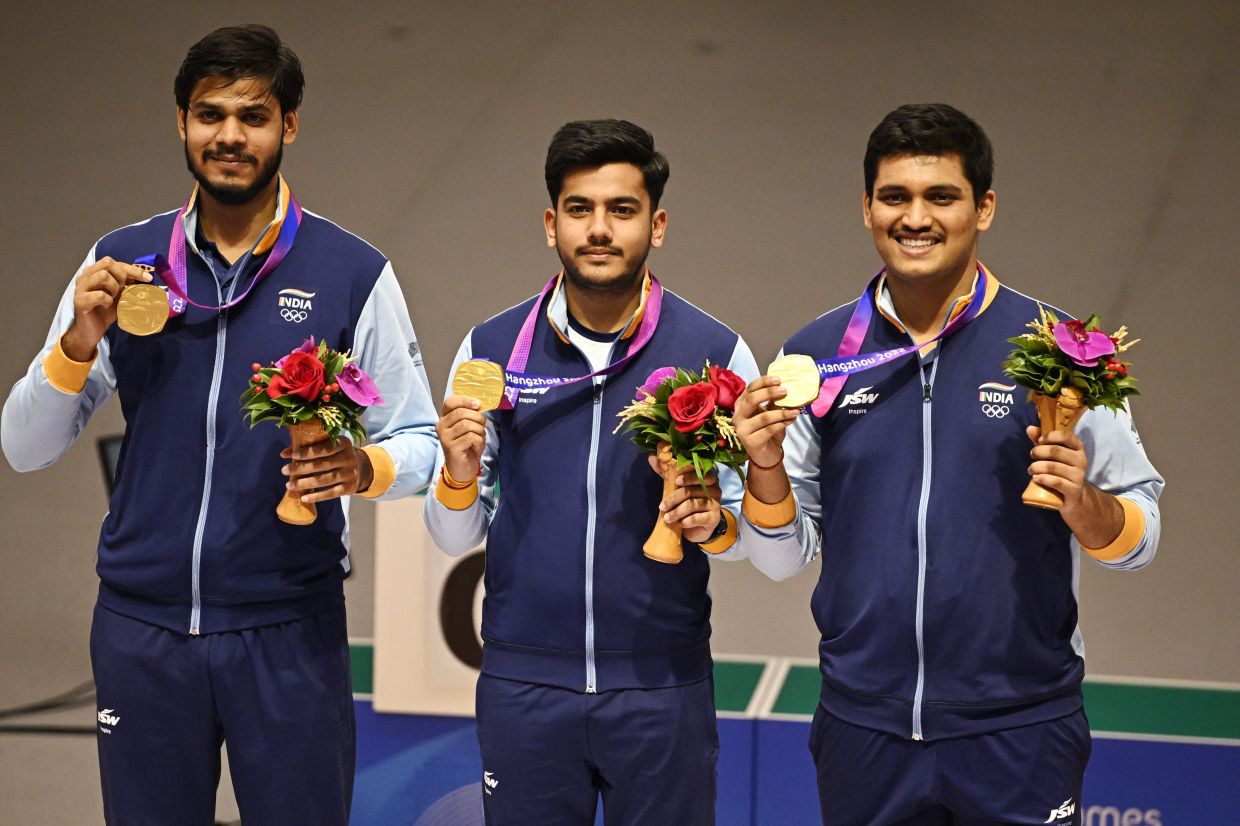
(456, 499)
(65, 374)
(769, 516)
(384, 470)
(1129, 537)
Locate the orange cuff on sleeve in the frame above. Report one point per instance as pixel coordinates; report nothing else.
(383, 472)
(1129, 535)
(455, 496)
(722, 543)
(65, 374)
(769, 516)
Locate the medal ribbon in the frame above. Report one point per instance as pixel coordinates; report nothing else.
(836, 371)
(172, 270)
(515, 377)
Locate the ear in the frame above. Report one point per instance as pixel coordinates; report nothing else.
(658, 226)
(986, 211)
(181, 122)
(865, 210)
(291, 122)
(549, 227)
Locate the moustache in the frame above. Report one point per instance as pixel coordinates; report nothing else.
(209, 154)
(594, 250)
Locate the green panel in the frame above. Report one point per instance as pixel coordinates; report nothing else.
(735, 683)
(362, 664)
(1171, 710)
(799, 693)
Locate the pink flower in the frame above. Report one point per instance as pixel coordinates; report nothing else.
(656, 378)
(358, 386)
(1081, 345)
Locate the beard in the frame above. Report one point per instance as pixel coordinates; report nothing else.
(235, 194)
(626, 282)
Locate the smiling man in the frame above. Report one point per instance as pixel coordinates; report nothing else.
(216, 622)
(596, 672)
(951, 658)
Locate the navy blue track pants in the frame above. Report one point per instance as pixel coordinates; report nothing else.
(1027, 775)
(549, 753)
(279, 696)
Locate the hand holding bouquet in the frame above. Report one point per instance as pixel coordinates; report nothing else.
(317, 393)
(685, 419)
(1069, 367)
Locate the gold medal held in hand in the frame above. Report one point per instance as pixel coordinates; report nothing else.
(481, 380)
(799, 376)
(142, 309)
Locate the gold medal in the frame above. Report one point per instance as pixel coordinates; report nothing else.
(799, 376)
(142, 309)
(481, 380)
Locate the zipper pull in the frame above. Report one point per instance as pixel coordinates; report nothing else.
(926, 392)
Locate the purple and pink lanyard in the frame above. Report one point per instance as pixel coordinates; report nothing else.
(172, 270)
(834, 371)
(515, 377)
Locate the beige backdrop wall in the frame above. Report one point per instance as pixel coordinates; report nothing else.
(424, 130)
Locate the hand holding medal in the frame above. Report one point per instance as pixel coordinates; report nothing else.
(142, 309)
(479, 379)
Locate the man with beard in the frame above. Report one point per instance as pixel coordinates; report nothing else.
(215, 622)
(596, 673)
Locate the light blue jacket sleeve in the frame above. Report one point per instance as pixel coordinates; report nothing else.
(404, 425)
(1118, 465)
(41, 422)
(458, 531)
(785, 551)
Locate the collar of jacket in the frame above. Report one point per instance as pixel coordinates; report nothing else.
(189, 220)
(882, 300)
(557, 309)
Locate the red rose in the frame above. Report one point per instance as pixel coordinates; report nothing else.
(302, 376)
(729, 385)
(692, 406)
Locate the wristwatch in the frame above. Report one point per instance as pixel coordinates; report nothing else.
(720, 529)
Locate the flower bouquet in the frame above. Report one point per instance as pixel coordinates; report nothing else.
(1069, 367)
(317, 393)
(685, 419)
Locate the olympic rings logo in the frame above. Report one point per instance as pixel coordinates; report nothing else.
(295, 316)
(995, 411)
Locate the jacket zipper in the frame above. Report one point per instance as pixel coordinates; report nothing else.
(927, 454)
(591, 525)
(221, 328)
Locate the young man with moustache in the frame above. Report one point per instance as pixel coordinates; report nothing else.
(215, 621)
(596, 674)
(951, 657)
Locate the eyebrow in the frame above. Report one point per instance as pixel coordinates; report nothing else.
(619, 199)
(249, 107)
(931, 188)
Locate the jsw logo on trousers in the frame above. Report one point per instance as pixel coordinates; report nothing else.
(107, 718)
(860, 397)
(489, 782)
(1065, 809)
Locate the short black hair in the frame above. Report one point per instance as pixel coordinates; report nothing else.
(583, 144)
(237, 52)
(932, 129)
